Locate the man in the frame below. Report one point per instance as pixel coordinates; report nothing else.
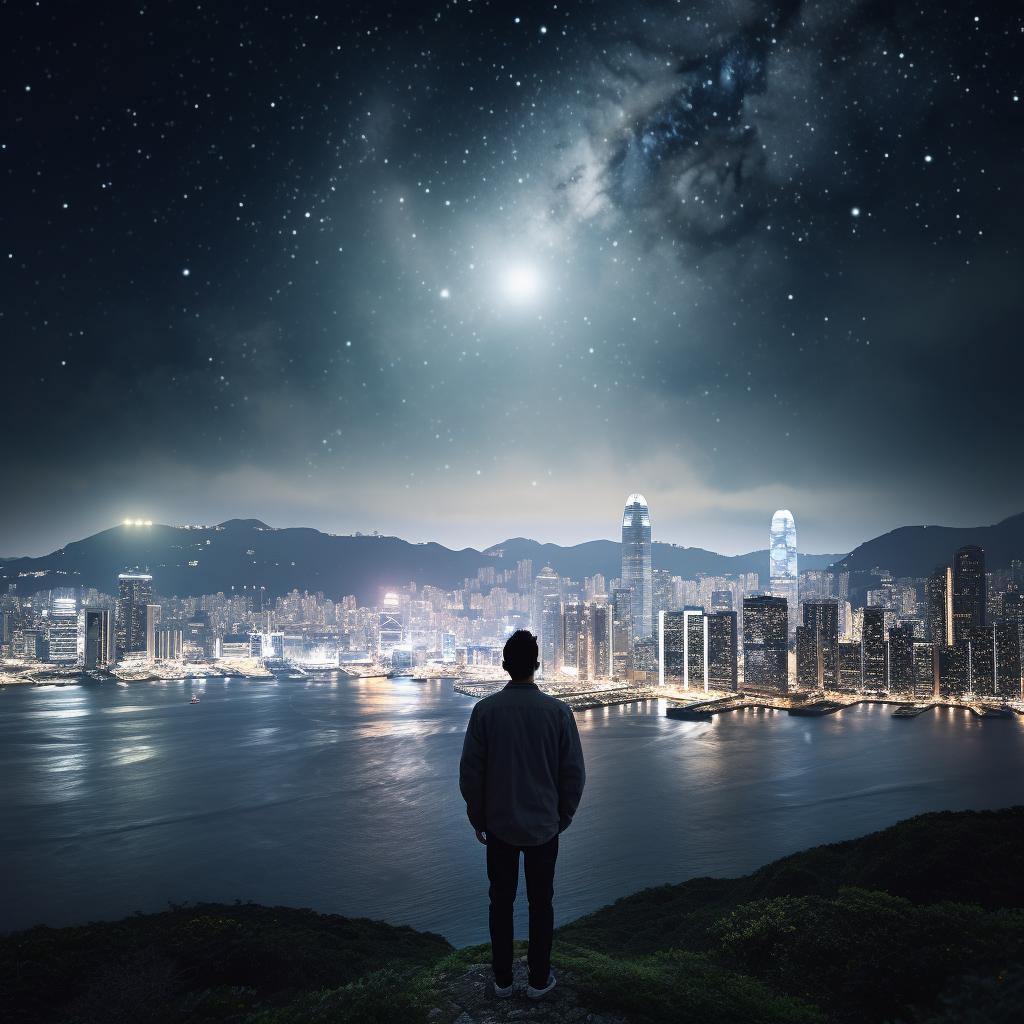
(522, 778)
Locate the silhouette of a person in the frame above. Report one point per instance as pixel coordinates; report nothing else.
(522, 778)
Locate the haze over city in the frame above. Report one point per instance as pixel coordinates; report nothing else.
(481, 271)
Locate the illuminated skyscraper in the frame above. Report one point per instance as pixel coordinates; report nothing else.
(64, 628)
(636, 563)
(99, 639)
(968, 591)
(547, 623)
(782, 564)
(390, 627)
(765, 649)
(939, 600)
(135, 593)
(622, 634)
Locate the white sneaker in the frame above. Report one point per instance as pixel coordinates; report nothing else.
(536, 993)
(502, 993)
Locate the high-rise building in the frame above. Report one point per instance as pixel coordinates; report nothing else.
(980, 642)
(601, 638)
(152, 626)
(901, 660)
(576, 639)
(723, 653)
(968, 591)
(622, 634)
(783, 575)
(939, 606)
(766, 644)
(661, 591)
(1012, 643)
(851, 665)
(390, 627)
(547, 626)
(683, 648)
(524, 574)
(874, 652)
(63, 638)
(99, 637)
(550, 636)
(817, 649)
(135, 593)
(636, 563)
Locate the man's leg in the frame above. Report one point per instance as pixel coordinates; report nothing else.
(539, 868)
(503, 874)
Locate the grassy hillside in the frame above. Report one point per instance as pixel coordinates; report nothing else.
(922, 922)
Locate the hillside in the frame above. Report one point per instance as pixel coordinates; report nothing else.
(246, 553)
(917, 550)
(882, 928)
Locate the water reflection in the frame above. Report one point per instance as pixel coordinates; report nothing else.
(343, 795)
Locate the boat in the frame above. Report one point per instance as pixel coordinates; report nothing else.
(194, 700)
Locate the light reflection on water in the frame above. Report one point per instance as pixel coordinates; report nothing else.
(343, 796)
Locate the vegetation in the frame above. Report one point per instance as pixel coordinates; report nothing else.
(921, 923)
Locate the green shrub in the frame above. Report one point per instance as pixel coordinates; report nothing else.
(678, 986)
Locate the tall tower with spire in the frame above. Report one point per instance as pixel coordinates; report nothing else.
(636, 563)
(782, 564)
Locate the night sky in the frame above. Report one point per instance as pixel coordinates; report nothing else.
(477, 270)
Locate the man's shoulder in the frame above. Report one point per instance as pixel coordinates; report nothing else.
(520, 696)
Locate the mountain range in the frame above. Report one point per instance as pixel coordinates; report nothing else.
(245, 553)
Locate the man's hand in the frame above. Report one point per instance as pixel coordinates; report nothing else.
(480, 837)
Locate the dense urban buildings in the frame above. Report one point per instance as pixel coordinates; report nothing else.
(957, 633)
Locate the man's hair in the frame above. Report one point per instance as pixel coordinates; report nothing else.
(519, 658)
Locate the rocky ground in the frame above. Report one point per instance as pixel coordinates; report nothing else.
(469, 998)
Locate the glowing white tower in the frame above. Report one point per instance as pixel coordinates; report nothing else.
(782, 564)
(636, 563)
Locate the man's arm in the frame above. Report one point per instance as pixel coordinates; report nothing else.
(473, 772)
(571, 773)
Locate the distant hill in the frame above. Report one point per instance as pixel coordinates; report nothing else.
(188, 561)
(917, 550)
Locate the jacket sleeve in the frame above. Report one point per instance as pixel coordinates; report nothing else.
(571, 773)
(473, 772)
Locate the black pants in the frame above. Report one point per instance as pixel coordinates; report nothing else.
(503, 874)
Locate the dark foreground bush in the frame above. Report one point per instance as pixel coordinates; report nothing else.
(126, 970)
(867, 952)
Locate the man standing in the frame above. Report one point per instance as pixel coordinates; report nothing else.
(522, 777)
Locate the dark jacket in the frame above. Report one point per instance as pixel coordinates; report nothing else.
(521, 772)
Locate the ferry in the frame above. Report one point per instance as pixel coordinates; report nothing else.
(194, 700)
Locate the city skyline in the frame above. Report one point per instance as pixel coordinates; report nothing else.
(358, 269)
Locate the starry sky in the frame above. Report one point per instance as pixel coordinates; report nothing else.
(476, 270)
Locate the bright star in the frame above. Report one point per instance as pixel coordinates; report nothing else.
(521, 283)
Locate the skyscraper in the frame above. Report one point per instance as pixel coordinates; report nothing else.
(683, 647)
(874, 652)
(64, 628)
(547, 625)
(939, 599)
(817, 652)
(765, 644)
(622, 634)
(636, 563)
(135, 593)
(99, 646)
(782, 564)
(723, 664)
(968, 591)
